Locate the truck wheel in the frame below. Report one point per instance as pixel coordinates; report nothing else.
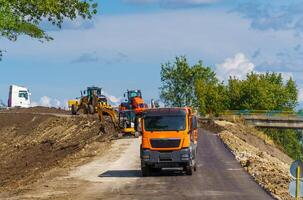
(156, 170)
(146, 171)
(74, 109)
(91, 109)
(189, 170)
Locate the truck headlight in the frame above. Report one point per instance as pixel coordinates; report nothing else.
(146, 157)
(184, 157)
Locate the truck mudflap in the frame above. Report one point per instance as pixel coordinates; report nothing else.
(162, 159)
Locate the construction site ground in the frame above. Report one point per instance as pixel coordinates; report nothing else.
(51, 155)
(40, 143)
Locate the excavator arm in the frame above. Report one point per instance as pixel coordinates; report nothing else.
(109, 112)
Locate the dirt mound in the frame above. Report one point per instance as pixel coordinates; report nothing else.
(38, 110)
(210, 125)
(259, 156)
(31, 144)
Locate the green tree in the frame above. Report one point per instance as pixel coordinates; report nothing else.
(262, 92)
(235, 90)
(177, 83)
(195, 86)
(23, 17)
(291, 91)
(211, 96)
(289, 140)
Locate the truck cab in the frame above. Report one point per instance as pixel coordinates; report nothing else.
(18, 97)
(169, 140)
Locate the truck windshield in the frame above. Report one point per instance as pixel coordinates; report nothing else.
(23, 94)
(165, 123)
(134, 94)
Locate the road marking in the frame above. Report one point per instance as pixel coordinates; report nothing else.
(234, 169)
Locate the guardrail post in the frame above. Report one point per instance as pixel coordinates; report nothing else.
(298, 183)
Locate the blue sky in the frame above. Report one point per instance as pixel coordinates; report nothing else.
(124, 45)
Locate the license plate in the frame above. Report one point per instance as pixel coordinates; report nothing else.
(165, 156)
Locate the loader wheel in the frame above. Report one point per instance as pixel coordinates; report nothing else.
(146, 171)
(120, 135)
(91, 109)
(188, 170)
(85, 109)
(74, 109)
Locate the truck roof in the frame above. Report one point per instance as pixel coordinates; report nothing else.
(165, 112)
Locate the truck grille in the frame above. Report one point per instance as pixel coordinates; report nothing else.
(165, 143)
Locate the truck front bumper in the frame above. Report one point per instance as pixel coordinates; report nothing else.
(166, 159)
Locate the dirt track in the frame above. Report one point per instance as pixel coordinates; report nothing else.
(116, 175)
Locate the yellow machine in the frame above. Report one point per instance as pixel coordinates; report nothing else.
(127, 123)
(124, 121)
(92, 101)
(89, 102)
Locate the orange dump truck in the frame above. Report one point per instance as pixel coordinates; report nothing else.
(169, 140)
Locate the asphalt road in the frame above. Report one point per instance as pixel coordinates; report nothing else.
(219, 176)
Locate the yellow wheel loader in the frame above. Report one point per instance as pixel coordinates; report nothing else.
(89, 102)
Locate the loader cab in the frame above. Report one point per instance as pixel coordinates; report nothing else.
(94, 91)
(133, 94)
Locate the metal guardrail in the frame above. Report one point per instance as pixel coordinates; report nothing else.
(268, 113)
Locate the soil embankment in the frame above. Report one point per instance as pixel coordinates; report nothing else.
(36, 140)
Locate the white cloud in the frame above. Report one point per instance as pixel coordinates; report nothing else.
(56, 103)
(238, 67)
(46, 101)
(113, 100)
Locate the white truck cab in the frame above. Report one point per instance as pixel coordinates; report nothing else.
(18, 97)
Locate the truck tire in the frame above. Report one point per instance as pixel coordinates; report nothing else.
(156, 170)
(74, 109)
(91, 109)
(189, 170)
(146, 171)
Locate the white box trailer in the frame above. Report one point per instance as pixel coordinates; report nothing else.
(18, 97)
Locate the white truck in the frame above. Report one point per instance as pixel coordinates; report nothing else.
(18, 97)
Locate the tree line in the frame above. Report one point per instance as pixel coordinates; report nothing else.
(197, 86)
